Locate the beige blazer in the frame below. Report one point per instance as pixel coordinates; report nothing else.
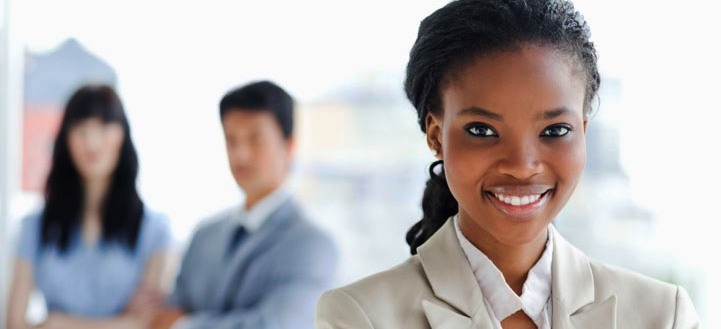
(437, 289)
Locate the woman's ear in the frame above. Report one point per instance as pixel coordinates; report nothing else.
(434, 137)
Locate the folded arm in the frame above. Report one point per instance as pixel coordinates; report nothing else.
(139, 312)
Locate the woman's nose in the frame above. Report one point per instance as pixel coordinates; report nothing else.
(520, 160)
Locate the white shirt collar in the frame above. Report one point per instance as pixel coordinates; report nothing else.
(252, 219)
(499, 297)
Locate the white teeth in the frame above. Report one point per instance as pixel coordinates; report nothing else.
(515, 200)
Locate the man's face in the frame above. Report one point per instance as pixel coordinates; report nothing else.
(258, 153)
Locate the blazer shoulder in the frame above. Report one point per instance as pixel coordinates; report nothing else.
(642, 300)
(214, 222)
(391, 296)
(337, 309)
(406, 275)
(618, 280)
(297, 228)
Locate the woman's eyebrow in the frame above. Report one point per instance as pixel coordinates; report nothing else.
(552, 114)
(482, 112)
(546, 115)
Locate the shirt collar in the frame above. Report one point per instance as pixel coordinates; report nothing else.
(252, 219)
(501, 298)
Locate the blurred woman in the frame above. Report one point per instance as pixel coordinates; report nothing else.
(95, 246)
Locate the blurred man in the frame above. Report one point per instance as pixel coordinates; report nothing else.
(261, 264)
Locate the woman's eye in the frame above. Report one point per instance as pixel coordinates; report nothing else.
(556, 131)
(481, 131)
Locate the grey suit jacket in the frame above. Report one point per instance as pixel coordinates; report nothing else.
(272, 280)
(437, 289)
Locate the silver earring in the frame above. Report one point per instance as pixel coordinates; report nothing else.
(434, 152)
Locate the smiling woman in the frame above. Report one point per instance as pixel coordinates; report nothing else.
(499, 159)
(503, 90)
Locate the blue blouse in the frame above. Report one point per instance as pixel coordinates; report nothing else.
(91, 280)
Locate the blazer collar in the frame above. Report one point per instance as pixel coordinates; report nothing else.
(232, 273)
(575, 303)
(452, 281)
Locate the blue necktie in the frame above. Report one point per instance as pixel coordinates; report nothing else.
(235, 240)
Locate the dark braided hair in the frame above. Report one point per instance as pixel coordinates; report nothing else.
(452, 37)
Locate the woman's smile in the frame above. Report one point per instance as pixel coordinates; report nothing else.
(519, 202)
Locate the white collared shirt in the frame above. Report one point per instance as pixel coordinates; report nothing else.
(500, 300)
(252, 219)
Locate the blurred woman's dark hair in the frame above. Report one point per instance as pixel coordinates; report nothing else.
(464, 30)
(122, 208)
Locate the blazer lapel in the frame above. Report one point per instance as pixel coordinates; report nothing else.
(460, 303)
(229, 265)
(231, 279)
(440, 317)
(574, 299)
(602, 316)
(217, 243)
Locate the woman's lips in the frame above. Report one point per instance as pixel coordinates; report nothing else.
(521, 203)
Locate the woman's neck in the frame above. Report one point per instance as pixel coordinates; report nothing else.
(95, 192)
(514, 261)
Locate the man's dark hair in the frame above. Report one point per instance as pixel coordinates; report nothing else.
(261, 96)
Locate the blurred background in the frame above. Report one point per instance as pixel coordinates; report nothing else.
(647, 201)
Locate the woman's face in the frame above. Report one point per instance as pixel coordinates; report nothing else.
(95, 147)
(512, 137)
